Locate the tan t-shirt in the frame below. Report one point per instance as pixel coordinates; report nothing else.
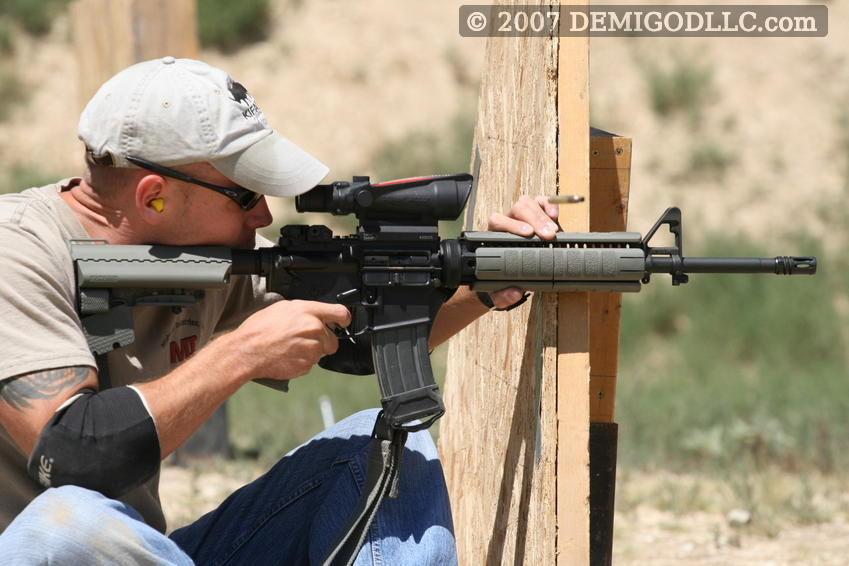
(40, 329)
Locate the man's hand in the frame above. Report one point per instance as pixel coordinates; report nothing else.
(528, 217)
(284, 340)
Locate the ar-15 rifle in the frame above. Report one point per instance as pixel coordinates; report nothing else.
(394, 274)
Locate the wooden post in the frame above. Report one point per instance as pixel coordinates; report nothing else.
(573, 324)
(498, 438)
(110, 35)
(610, 169)
(522, 387)
(514, 440)
(610, 177)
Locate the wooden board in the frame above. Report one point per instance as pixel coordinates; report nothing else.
(573, 326)
(610, 176)
(110, 35)
(498, 437)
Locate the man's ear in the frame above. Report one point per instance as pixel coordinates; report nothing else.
(152, 198)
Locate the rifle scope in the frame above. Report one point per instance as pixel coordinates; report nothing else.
(417, 199)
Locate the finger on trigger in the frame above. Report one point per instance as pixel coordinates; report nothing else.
(334, 315)
(346, 316)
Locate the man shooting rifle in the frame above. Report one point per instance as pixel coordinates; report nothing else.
(179, 154)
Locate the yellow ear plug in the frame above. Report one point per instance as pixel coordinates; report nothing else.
(157, 204)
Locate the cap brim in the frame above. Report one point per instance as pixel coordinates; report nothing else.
(273, 166)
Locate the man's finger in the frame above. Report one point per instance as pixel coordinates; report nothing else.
(329, 342)
(502, 223)
(332, 314)
(552, 210)
(532, 212)
(506, 297)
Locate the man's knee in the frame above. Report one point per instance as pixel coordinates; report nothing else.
(65, 509)
(362, 424)
(59, 519)
(358, 424)
(422, 443)
(74, 525)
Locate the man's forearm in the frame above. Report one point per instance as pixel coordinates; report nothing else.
(182, 400)
(460, 311)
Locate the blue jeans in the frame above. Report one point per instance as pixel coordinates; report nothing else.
(290, 515)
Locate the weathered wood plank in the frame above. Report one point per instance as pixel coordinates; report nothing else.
(498, 437)
(573, 326)
(110, 35)
(610, 171)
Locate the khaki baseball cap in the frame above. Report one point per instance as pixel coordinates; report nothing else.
(177, 111)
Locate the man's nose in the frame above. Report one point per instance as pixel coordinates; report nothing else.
(259, 216)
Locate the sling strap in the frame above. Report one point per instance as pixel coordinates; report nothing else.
(384, 461)
(103, 377)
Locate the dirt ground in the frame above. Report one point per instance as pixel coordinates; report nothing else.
(650, 537)
(644, 534)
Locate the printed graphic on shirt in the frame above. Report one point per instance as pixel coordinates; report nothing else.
(183, 349)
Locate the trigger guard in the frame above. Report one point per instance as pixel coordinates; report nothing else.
(352, 358)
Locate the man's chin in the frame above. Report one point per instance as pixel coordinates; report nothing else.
(246, 243)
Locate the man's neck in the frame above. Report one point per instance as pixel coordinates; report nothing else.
(100, 220)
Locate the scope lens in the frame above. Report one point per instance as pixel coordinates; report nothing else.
(318, 199)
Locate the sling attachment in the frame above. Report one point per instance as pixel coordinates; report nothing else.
(103, 378)
(384, 461)
(487, 301)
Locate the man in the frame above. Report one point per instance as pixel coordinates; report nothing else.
(180, 154)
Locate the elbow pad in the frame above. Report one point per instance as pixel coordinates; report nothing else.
(105, 442)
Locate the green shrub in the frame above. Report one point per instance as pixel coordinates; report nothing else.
(12, 91)
(843, 145)
(736, 368)
(228, 25)
(6, 42)
(35, 16)
(425, 152)
(709, 160)
(19, 177)
(265, 424)
(683, 87)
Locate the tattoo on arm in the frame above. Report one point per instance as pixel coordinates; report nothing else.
(19, 391)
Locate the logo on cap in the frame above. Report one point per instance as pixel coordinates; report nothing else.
(241, 96)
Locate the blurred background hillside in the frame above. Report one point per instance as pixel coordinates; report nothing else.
(739, 380)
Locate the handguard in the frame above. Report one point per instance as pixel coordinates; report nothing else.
(103, 441)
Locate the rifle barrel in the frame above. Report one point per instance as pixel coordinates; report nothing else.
(781, 265)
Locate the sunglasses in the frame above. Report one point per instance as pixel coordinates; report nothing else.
(243, 197)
